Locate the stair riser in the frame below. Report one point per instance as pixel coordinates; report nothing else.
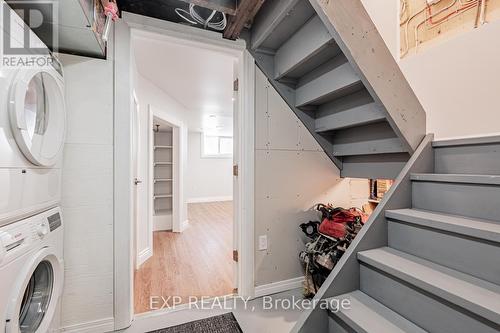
(384, 166)
(475, 159)
(471, 200)
(432, 314)
(335, 325)
(468, 255)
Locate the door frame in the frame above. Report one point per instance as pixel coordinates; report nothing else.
(132, 24)
(179, 143)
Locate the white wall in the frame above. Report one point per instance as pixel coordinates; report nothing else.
(87, 195)
(457, 80)
(208, 179)
(292, 174)
(150, 94)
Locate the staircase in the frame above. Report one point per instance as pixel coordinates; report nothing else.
(342, 83)
(428, 260)
(438, 269)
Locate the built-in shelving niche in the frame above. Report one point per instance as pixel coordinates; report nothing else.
(163, 172)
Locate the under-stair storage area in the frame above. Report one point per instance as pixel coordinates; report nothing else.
(163, 165)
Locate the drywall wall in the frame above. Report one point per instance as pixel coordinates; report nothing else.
(456, 80)
(208, 179)
(292, 174)
(87, 195)
(150, 94)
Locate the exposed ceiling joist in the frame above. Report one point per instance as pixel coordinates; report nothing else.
(246, 12)
(226, 6)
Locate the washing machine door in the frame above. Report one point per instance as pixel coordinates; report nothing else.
(34, 301)
(37, 114)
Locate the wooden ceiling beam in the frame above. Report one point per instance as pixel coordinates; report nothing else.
(246, 12)
(225, 6)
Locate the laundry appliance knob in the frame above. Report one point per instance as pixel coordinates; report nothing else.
(42, 230)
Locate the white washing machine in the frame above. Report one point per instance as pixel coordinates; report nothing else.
(32, 131)
(31, 273)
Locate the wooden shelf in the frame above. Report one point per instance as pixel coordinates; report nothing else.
(163, 211)
(163, 180)
(163, 173)
(162, 196)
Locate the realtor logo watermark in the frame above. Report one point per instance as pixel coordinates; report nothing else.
(232, 303)
(23, 21)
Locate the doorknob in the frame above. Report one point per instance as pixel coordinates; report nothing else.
(137, 181)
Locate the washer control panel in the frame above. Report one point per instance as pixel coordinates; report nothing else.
(22, 236)
(14, 239)
(55, 221)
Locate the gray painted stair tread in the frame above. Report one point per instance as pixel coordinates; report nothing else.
(360, 115)
(307, 42)
(277, 20)
(467, 141)
(380, 146)
(473, 294)
(330, 83)
(457, 178)
(478, 228)
(366, 315)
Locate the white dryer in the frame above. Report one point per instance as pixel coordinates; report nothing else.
(31, 273)
(32, 131)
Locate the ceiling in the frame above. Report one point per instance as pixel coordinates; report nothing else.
(160, 9)
(228, 17)
(199, 79)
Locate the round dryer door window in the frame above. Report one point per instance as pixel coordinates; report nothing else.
(36, 298)
(38, 116)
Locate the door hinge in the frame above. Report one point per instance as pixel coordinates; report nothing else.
(235, 170)
(236, 85)
(235, 255)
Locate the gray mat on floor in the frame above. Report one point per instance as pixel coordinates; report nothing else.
(225, 323)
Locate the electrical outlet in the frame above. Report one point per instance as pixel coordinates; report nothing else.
(263, 243)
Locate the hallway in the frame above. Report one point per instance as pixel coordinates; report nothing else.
(197, 262)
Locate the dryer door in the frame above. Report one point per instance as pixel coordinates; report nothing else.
(37, 115)
(35, 299)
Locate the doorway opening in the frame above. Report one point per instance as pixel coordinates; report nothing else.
(187, 241)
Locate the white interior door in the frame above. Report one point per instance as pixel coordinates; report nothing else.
(143, 146)
(135, 175)
(236, 162)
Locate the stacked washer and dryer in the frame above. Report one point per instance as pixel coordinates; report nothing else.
(32, 130)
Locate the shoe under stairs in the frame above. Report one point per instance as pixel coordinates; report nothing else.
(343, 84)
(437, 268)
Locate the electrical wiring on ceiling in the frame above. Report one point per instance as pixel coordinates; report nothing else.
(194, 18)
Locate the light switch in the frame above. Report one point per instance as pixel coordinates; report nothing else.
(262, 242)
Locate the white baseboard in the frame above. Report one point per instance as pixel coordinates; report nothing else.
(97, 326)
(143, 256)
(210, 199)
(184, 225)
(162, 222)
(279, 287)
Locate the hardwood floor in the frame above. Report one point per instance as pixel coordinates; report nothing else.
(197, 262)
